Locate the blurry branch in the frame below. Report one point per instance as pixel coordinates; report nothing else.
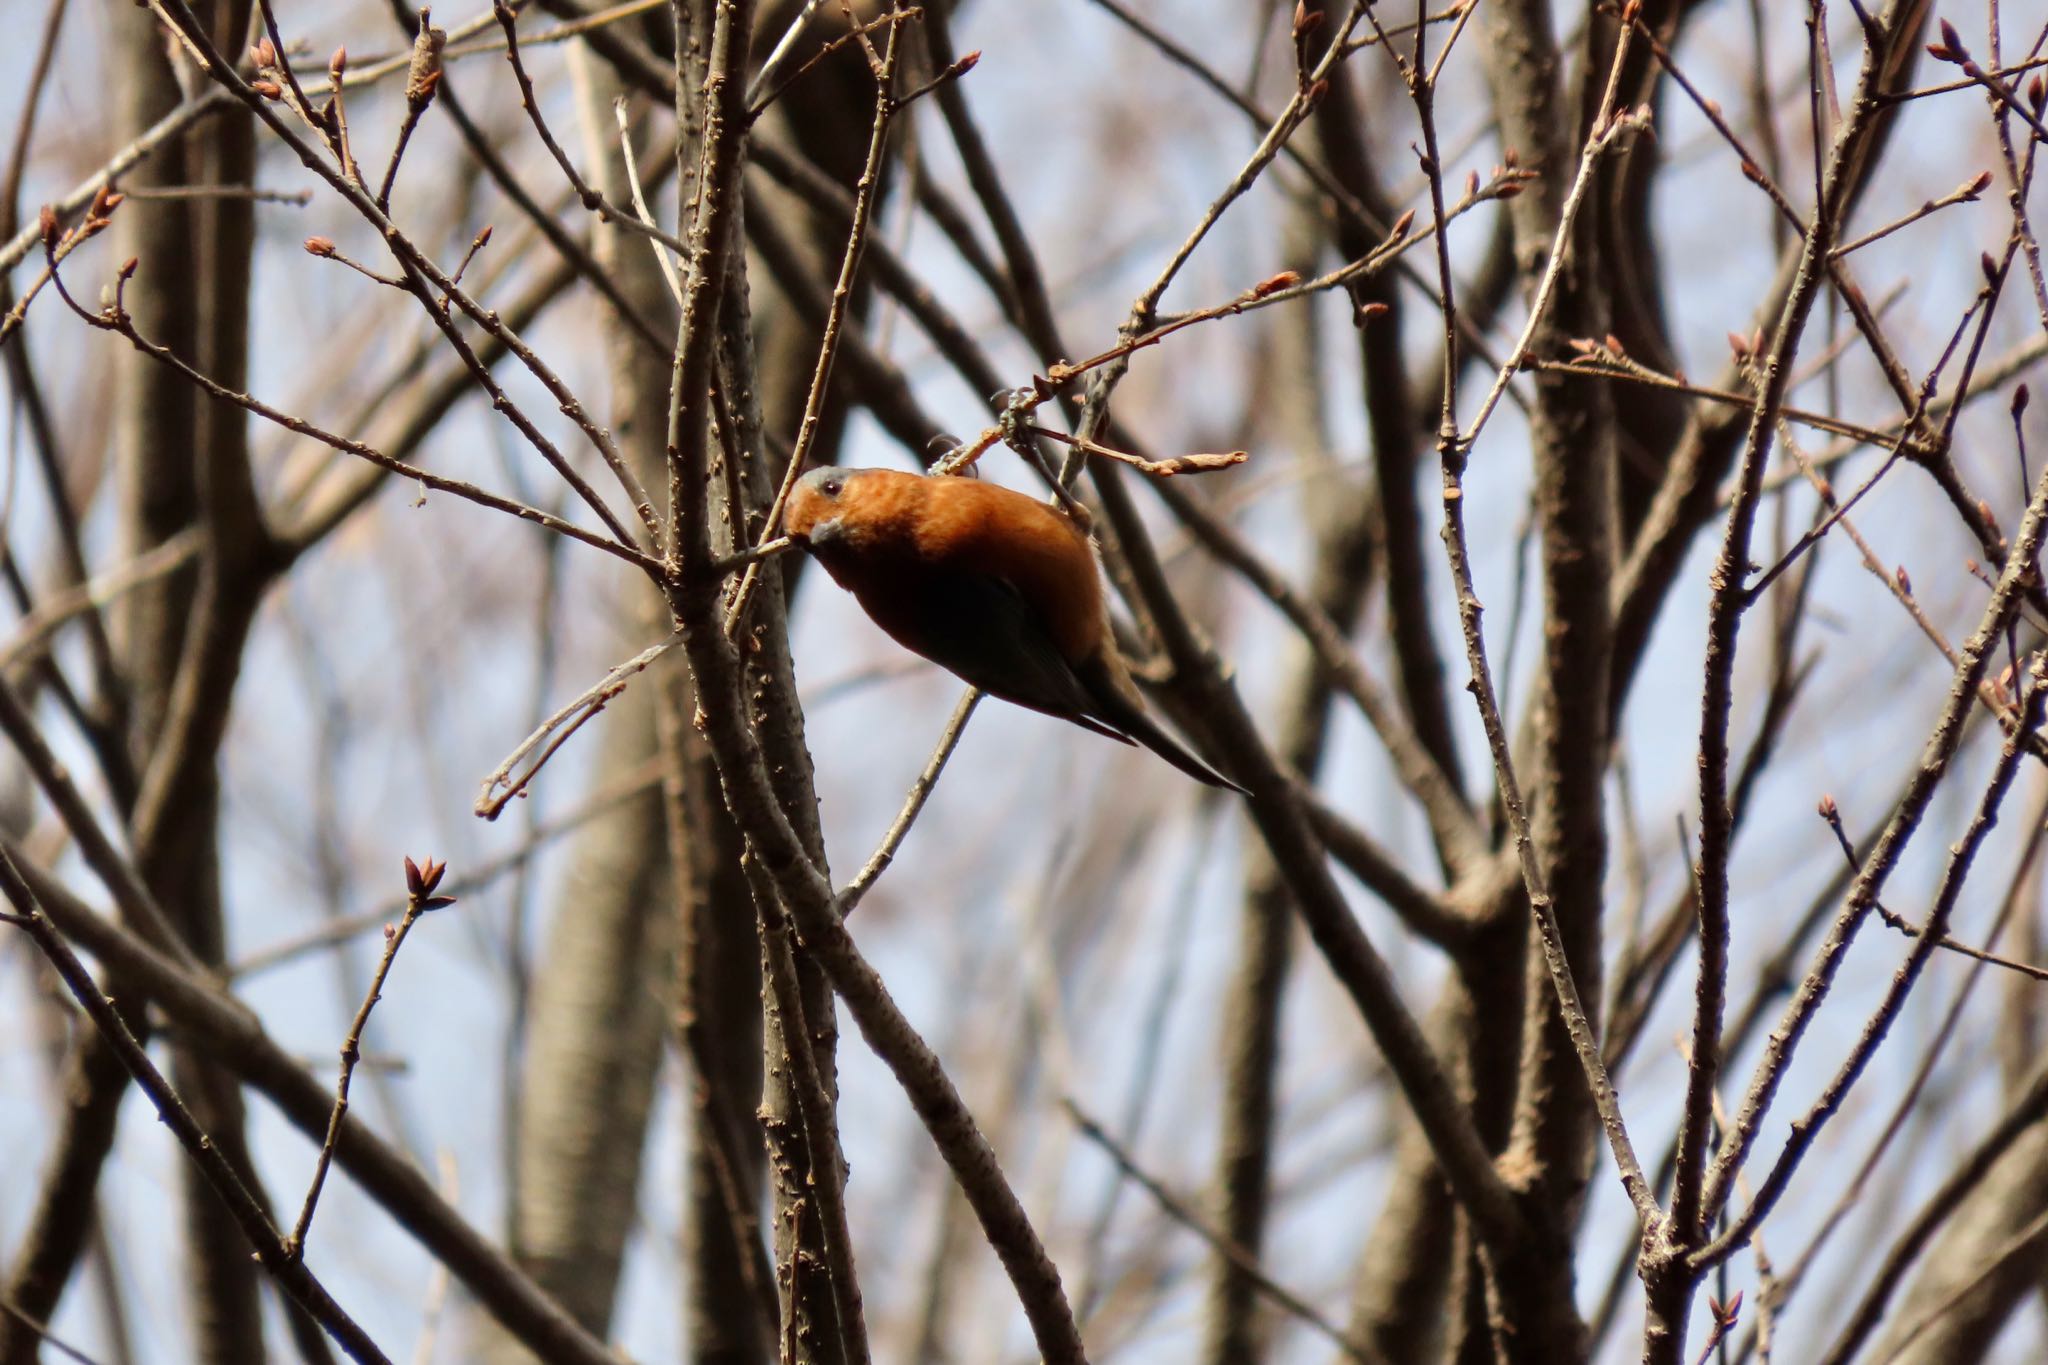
(2013, 1247)
(1432, 916)
(1946, 1200)
(950, 218)
(293, 198)
(233, 1038)
(425, 280)
(139, 909)
(276, 1257)
(169, 126)
(629, 56)
(873, 380)
(34, 632)
(116, 318)
(1395, 398)
(1243, 1259)
(604, 800)
(41, 1332)
(25, 128)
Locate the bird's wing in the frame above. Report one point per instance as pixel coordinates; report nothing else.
(980, 627)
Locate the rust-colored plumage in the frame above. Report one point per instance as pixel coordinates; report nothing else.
(998, 588)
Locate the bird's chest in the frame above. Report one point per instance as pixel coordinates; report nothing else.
(915, 602)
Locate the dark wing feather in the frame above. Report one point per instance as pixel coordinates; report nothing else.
(980, 628)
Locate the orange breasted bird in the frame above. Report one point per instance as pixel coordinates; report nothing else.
(989, 584)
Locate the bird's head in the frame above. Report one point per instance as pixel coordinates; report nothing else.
(815, 515)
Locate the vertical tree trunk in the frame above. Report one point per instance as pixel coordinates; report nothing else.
(180, 460)
(604, 982)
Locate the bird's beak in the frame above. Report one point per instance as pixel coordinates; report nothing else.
(824, 532)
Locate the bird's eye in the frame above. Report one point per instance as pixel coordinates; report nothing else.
(832, 487)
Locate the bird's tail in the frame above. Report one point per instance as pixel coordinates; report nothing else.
(1141, 727)
(1117, 705)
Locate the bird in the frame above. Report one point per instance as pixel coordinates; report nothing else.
(996, 587)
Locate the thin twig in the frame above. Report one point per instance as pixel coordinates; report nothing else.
(864, 194)
(491, 802)
(591, 197)
(41, 1332)
(1966, 193)
(1941, 748)
(1453, 449)
(885, 852)
(423, 79)
(1241, 1259)
(425, 280)
(287, 1269)
(420, 882)
(664, 256)
(116, 318)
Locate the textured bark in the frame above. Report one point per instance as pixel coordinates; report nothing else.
(1347, 546)
(603, 989)
(828, 116)
(1251, 1029)
(588, 1079)
(1572, 437)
